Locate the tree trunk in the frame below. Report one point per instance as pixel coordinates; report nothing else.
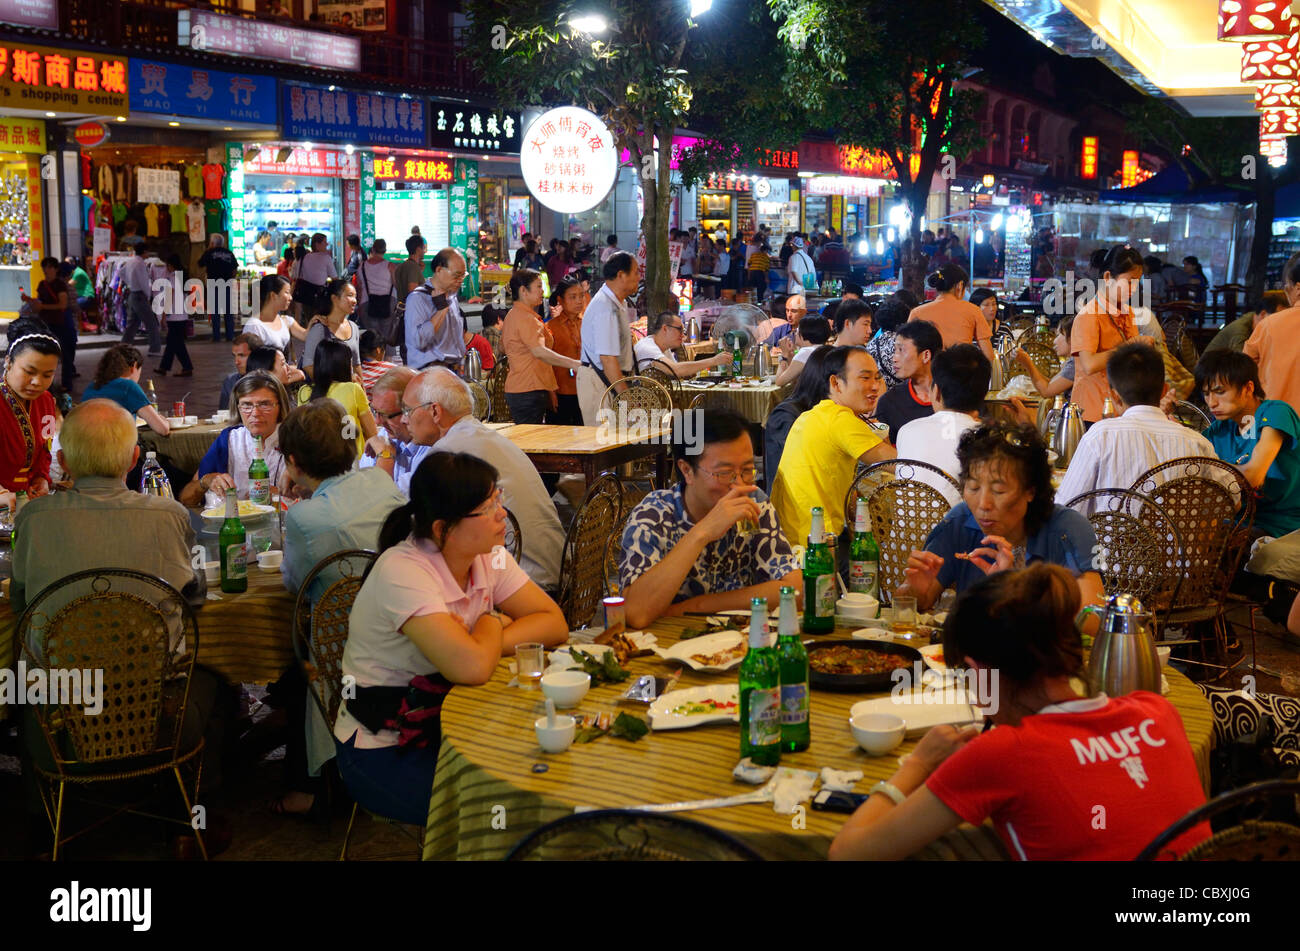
(1257, 271)
(654, 224)
(915, 261)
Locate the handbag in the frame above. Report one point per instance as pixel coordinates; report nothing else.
(377, 308)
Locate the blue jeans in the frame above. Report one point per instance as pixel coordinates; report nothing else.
(388, 782)
(531, 407)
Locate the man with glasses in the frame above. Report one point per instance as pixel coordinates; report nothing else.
(435, 328)
(711, 542)
(392, 448)
(666, 334)
(436, 407)
(796, 307)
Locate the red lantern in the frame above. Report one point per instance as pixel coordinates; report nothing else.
(1275, 122)
(1277, 96)
(1242, 21)
(1273, 149)
(1272, 60)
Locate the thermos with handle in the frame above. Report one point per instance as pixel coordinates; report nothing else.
(1124, 657)
(1068, 432)
(473, 365)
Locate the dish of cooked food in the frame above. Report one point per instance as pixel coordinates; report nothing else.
(855, 661)
(721, 657)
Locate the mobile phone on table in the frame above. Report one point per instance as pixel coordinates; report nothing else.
(829, 800)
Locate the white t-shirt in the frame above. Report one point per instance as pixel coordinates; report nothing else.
(268, 334)
(374, 277)
(800, 264)
(195, 222)
(647, 351)
(934, 439)
(606, 330)
(317, 268)
(802, 354)
(409, 580)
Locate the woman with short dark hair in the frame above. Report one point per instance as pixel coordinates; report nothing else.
(531, 390)
(117, 378)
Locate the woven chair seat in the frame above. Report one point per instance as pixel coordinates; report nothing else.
(1250, 842)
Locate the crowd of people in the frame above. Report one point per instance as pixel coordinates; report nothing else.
(350, 388)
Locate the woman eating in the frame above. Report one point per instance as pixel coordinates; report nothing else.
(334, 380)
(117, 378)
(1064, 379)
(987, 301)
(272, 325)
(568, 301)
(440, 607)
(259, 404)
(1007, 519)
(531, 389)
(29, 417)
(1056, 759)
(340, 300)
(1101, 325)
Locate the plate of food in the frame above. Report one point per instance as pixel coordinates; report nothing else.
(720, 651)
(857, 665)
(696, 706)
(932, 654)
(247, 511)
(625, 646)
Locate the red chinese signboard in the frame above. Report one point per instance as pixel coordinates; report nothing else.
(398, 169)
(1088, 165)
(778, 158)
(726, 183)
(36, 77)
(323, 162)
(855, 160)
(1128, 176)
(90, 134)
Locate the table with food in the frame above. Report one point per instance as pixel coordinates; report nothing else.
(752, 397)
(655, 726)
(184, 446)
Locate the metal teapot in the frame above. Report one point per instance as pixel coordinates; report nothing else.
(1124, 655)
(762, 360)
(1067, 433)
(1049, 411)
(692, 330)
(473, 365)
(997, 377)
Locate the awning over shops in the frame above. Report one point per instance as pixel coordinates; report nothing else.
(1172, 186)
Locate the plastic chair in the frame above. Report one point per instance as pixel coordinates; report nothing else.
(1251, 840)
(624, 835)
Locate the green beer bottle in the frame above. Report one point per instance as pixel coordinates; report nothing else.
(796, 732)
(864, 555)
(737, 358)
(818, 579)
(234, 553)
(259, 477)
(760, 693)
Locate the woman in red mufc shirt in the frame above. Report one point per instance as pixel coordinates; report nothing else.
(1062, 776)
(28, 416)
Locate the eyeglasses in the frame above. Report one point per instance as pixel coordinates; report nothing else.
(393, 415)
(412, 410)
(260, 406)
(729, 476)
(678, 327)
(493, 504)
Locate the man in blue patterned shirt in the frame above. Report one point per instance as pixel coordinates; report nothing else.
(685, 548)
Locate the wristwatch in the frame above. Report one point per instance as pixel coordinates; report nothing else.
(386, 454)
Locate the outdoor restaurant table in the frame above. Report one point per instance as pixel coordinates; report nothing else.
(489, 750)
(754, 401)
(184, 447)
(588, 450)
(695, 351)
(243, 637)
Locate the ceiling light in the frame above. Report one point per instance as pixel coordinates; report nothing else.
(307, 146)
(880, 245)
(349, 148)
(121, 118)
(1253, 21)
(173, 124)
(50, 115)
(979, 236)
(700, 6)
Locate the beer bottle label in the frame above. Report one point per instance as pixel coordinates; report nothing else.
(236, 560)
(862, 576)
(764, 716)
(259, 491)
(825, 596)
(794, 704)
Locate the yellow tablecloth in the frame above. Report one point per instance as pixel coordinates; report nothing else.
(753, 401)
(185, 447)
(486, 797)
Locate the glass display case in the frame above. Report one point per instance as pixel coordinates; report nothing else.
(297, 205)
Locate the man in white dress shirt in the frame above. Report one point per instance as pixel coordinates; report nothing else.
(436, 407)
(607, 335)
(666, 333)
(1115, 452)
(959, 383)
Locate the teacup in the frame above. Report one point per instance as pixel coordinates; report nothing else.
(558, 738)
(878, 733)
(269, 560)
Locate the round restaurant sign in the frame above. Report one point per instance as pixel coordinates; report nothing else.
(569, 159)
(90, 134)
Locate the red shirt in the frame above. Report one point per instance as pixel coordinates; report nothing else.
(212, 177)
(24, 440)
(486, 358)
(1094, 779)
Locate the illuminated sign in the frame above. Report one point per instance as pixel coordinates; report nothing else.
(856, 160)
(36, 14)
(844, 185)
(458, 126)
(778, 158)
(397, 169)
(35, 77)
(22, 135)
(726, 183)
(261, 39)
(1088, 166)
(569, 160)
(1128, 176)
(90, 134)
(325, 162)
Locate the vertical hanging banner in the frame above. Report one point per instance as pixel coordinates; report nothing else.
(237, 231)
(464, 220)
(367, 231)
(352, 208)
(35, 218)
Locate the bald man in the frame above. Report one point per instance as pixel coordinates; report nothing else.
(435, 328)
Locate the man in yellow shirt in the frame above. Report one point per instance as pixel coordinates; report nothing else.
(827, 442)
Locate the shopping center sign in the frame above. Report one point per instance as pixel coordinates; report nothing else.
(569, 159)
(455, 125)
(336, 115)
(22, 135)
(37, 77)
(176, 90)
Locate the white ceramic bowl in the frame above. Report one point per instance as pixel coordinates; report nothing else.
(269, 560)
(878, 733)
(558, 738)
(212, 571)
(566, 687)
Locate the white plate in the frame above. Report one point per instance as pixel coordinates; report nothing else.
(174, 423)
(260, 511)
(919, 716)
(932, 654)
(708, 644)
(873, 634)
(662, 717)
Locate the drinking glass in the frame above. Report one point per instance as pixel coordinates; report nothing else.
(529, 658)
(615, 621)
(905, 615)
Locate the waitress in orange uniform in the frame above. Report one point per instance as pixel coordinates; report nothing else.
(1100, 326)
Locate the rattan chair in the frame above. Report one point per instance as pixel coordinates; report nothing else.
(142, 634)
(1134, 537)
(586, 544)
(1272, 837)
(1191, 416)
(482, 403)
(514, 542)
(663, 374)
(632, 496)
(904, 510)
(624, 835)
(496, 387)
(320, 632)
(1207, 514)
(712, 399)
(641, 395)
(1043, 357)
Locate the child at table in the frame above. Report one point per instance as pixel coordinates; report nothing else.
(435, 610)
(1063, 776)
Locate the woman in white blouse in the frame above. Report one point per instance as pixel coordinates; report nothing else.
(272, 325)
(440, 607)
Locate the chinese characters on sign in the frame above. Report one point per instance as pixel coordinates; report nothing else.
(856, 160)
(171, 89)
(1129, 171)
(37, 14)
(455, 125)
(236, 36)
(399, 169)
(843, 185)
(22, 135)
(158, 185)
(727, 183)
(326, 162)
(238, 224)
(778, 158)
(34, 77)
(569, 160)
(1088, 165)
(316, 113)
(463, 221)
(367, 231)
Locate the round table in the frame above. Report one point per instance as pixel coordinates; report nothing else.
(486, 796)
(183, 447)
(754, 401)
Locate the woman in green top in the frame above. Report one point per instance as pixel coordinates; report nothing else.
(333, 380)
(83, 288)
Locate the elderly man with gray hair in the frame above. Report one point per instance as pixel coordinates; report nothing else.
(220, 264)
(436, 408)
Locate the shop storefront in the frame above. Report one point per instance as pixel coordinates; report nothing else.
(776, 204)
(22, 217)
